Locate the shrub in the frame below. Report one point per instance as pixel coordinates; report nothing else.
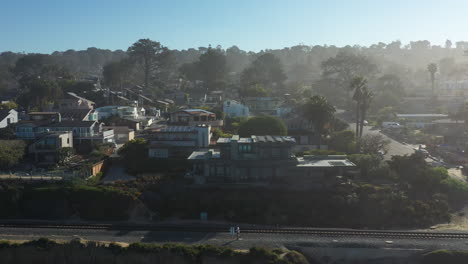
(446, 256)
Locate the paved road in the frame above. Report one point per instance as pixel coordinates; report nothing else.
(225, 239)
(395, 148)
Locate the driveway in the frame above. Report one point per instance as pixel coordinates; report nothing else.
(395, 148)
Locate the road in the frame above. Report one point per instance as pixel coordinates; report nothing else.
(395, 148)
(225, 239)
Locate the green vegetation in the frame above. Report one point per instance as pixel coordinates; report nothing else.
(217, 133)
(266, 71)
(63, 201)
(45, 249)
(445, 256)
(343, 141)
(320, 113)
(8, 106)
(11, 153)
(263, 125)
(210, 68)
(134, 155)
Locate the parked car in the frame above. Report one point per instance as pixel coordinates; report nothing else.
(391, 125)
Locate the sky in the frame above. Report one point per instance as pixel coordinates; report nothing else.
(44, 26)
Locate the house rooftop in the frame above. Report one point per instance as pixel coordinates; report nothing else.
(196, 111)
(318, 161)
(257, 139)
(79, 97)
(420, 115)
(43, 113)
(72, 124)
(175, 129)
(4, 113)
(75, 114)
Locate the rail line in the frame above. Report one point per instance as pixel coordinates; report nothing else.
(248, 230)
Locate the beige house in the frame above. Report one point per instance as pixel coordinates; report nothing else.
(122, 134)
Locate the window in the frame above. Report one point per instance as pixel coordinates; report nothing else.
(8, 121)
(245, 148)
(68, 140)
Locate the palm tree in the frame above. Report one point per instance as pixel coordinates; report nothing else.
(358, 83)
(432, 68)
(319, 112)
(366, 99)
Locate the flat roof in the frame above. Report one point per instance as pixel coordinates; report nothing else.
(178, 129)
(421, 115)
(323, 162)
(257, 139)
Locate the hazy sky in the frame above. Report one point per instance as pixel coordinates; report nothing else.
(49, 25)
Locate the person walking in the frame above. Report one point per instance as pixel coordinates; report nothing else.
(238, 232)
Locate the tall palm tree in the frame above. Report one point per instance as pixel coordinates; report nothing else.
(358, 83)
(366, 99)
(432, 68)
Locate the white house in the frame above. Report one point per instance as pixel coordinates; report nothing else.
(232, 108)
(8, 117)
(131, 112)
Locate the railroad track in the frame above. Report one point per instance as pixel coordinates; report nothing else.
(248, 230)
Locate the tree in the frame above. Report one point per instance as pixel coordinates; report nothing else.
(432, 69)
(266, 70)
(116, 73)
(209, 68)
(374, 144)
(77, 87)
(8, 106)
(365, 163)
(151, 54)
(39, 92)
(64, 155)
(448, 44)
(366, 99)
(11, 152)
(212, 68)
(263, 125)
(253, 91)
(318, 111)
(342, 141)
(134, 154)
(358, 84)
(8, 132)
(341, 69)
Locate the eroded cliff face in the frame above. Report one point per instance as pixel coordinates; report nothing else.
(77, 252)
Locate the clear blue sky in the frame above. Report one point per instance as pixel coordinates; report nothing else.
(49, 25)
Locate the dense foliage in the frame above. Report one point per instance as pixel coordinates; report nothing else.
(263, 125)
(445, 256)
(11, 152)
(61, 202)
(45, 249)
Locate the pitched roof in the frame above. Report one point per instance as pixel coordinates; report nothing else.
(71, 124)
(196, 111)
(79, 97)
(74, 114)
(4, 113)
